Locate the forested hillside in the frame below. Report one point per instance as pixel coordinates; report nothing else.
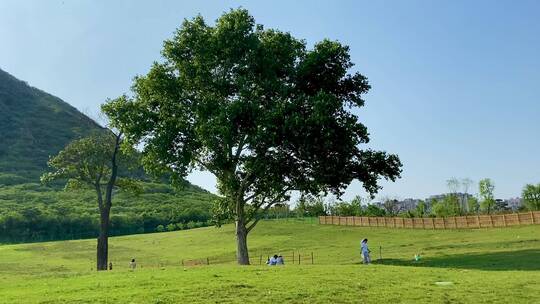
(35, 125)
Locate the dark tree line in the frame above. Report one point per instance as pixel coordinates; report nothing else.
(33, 225)
(33, 212)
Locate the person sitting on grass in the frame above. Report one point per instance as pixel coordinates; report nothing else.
(279, 260)
(365, 251)
(272, 261)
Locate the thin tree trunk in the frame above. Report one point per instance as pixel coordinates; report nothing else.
(242, 254)
(103, 240)
(105, 210)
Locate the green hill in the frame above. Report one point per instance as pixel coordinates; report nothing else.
(35, 125)
(474, 266)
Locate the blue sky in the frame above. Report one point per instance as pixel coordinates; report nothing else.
(456, 84)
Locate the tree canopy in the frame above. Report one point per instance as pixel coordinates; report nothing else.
(531, 196)
(259, 110)
(485, 189)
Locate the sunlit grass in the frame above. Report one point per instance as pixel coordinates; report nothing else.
(483, 266)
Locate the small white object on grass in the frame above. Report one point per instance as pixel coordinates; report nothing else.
(444, 283)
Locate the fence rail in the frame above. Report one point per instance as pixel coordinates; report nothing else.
(456, 222)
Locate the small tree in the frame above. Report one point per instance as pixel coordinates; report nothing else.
(466, 183)
(453, 185)
(531, 196)
(310, 206)
(421, 209)
(452, 200)
(473, 205)
(93, 162)
(391, 206)
(438, 208)
(356, 203)
(485, 190)
(374, 210)
(258, 110)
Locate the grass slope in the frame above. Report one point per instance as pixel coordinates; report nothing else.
(485, 266)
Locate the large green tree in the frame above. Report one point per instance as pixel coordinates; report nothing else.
(93, 162)
(259, 110)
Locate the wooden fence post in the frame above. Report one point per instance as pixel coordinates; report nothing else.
(293, 257)
(299, 259)
(491, 220)
(443, 223)
(402, 222)
(433, 222)
(312, 258)
(207, 261)
(532, 217)
(455, 222)
(423, 223)
(478, 221)
(504, 220)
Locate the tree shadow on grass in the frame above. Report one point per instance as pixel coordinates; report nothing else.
(528, 260)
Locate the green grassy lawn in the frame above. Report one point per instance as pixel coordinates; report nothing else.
(484, 266)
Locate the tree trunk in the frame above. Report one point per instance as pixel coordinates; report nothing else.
(242, 254)
(105, 210)
(103, 240)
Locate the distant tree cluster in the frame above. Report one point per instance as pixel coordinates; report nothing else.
(309, 206)
(454, 203)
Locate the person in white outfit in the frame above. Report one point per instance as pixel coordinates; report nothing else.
(272, 261)
(132, 264)
(364, 249)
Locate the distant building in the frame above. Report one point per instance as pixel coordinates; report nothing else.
(408, 204)
(514, 203)
(501, 205)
